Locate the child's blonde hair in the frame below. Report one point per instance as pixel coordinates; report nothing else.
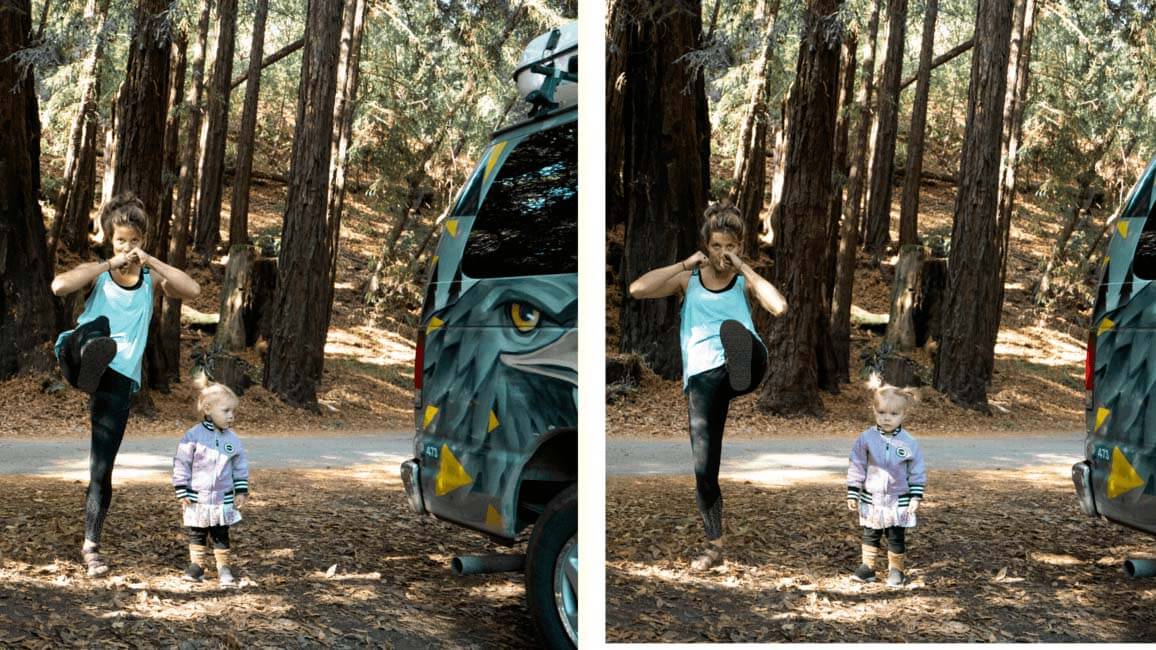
(884, 392)
(212, 393)
(722, 216)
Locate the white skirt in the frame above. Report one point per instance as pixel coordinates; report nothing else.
(204, 515)
(885, 513)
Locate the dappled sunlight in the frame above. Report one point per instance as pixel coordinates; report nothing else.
(129, 467)
(1042, 346)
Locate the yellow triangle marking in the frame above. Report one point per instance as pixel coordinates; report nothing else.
(433, 260)
(451, 474)
(493, 422)
(493, 518)
(1101, 415)
(1105, 325)
(495, 153)
(434, 324)
(452, 227)
(1123, 477)
(1122, 226)
(430, 412)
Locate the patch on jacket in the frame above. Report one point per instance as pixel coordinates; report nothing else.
(229, 448)
(902, 452)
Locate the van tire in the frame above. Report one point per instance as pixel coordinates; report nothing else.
(555, 528)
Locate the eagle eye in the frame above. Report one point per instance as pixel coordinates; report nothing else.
(526, 318)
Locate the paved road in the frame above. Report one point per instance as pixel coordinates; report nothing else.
(146, 457)
(784, 459)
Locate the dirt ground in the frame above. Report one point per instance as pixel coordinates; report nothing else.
(997, 556)
(1037, 385)
(325, 558)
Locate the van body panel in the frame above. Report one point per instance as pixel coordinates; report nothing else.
(1120, 446)
(500, 356)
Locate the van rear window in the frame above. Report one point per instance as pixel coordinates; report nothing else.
(528, 222)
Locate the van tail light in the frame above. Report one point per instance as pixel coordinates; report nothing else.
(1090, 362)
(419, 360)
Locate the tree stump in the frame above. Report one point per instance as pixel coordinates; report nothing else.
(905, 297)
(236, 290)
(932, 285)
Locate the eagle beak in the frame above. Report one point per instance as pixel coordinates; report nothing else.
(558, 359)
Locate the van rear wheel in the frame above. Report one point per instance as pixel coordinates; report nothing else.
(552, 571)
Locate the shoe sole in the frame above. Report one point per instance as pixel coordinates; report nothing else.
(863, 580)
(94, 359)
(738, 345)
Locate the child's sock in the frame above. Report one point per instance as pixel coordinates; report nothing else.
(896, 561)
(197, 554)
(222, 557)
(869, 555)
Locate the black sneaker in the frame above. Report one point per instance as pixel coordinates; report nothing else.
(95, 355)
(194, 573)
(895, 578)
(225, 577)
(863, 574)
(738, 345)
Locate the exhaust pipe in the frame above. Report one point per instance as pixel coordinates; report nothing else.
(1139, 567)
(468, 565)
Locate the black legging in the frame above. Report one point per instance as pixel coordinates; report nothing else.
(220, 535)
(896, 538)
(109, 408)
(708, 396)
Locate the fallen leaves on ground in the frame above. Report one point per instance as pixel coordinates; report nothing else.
(997, 556)
(325, 559)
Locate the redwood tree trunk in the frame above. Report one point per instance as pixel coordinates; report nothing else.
(170, 330)
(618, 31)
(801, 359)
(297, 349)
(78, 187)
(208, 221)
(849, 229)
(963, 366)
(839, 164)
(882, 167)
(909, 210)
(239, 212)
(666, 167)
(172, 143)
(27, 318)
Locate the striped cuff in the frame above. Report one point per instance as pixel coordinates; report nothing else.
(853, 492)
(183, 492)
(915, 491)
(241, 485)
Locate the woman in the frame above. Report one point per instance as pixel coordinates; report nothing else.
(722, 356)
(103, 355)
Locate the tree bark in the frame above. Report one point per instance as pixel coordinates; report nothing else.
(27, 313)
(666, 169)
(270, 60)
(1019, 66)
(963, 366)
(839, 164)
(909, 210)
(170, 330)
(236, 294)
(801, 358)
(348, 74)
(849, 228)
(297, 349)
(883, 164)
(239, 211)
(77, 188)
(208, 221)
(172, 143)
(618, 30)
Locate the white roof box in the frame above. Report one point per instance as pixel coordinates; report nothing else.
(547, 72)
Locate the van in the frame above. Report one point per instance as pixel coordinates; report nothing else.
(495, 374)
(1117, 479)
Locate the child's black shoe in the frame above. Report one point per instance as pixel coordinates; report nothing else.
(863, 574)
(194, 573)
(895, 578)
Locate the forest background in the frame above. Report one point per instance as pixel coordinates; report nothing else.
(153, 96)
(845, 131)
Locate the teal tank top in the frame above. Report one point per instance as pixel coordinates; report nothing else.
(129, 312)
(703, 313)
